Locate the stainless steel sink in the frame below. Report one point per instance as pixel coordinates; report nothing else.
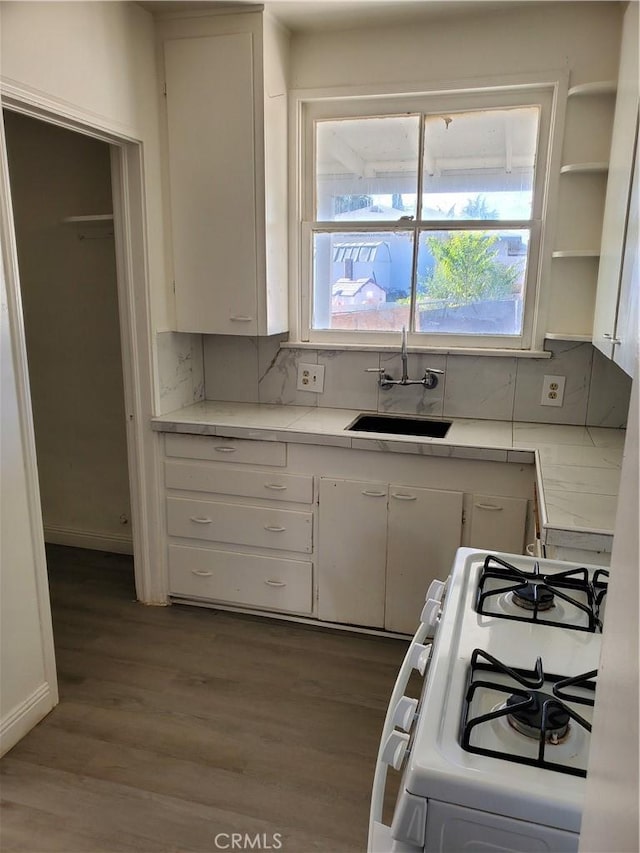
(399, 425)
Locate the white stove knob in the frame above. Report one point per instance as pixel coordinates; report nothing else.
(420, 655)
(395, 749)
(424, 659)
(430, 612)
(404, 713)
(436, 590)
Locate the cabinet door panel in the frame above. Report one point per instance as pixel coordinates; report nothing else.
(618, 187)
(352, 551)
(498, 524)
(210, 114)
(425, 529)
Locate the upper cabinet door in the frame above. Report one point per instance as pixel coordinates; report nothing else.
(211, 135)
(617, 208)
(627, 322)
(226, 107)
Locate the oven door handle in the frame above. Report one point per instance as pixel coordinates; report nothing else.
(415, 651)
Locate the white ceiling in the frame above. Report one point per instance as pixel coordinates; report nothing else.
(306, 15)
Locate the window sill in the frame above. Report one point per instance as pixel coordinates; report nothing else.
(506, 353)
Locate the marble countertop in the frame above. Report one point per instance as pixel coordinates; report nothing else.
(577, 468)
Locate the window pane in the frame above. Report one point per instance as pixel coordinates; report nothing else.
(480, 164)
(366, 169)
(471, 282)
(362, 280)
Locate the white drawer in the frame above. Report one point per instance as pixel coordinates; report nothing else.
(244, 579)
(226, 449)
(227, 480)
(261, 527)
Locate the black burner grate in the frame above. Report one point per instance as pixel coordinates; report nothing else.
(536, 592)
(521, 691)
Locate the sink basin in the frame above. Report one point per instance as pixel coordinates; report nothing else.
(399, 425)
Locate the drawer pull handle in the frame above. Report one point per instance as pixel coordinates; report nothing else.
(491, 507)
(200, 520)
(201, 574)
(275, 487)
(401, 497)
(275, 583)
(273, 529)
(225, 449)
(241, 318)
(374, 494)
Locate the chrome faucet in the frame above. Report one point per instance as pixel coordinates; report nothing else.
(404, 356)
(386, 381)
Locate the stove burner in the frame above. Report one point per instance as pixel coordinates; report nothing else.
(571, 599)
(533, 596)
(540, 713)
(545, 708)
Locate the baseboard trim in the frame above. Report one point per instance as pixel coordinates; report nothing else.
(92, 539)
(25, 716)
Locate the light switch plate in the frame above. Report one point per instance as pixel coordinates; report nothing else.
(311, 377)
(553, 390)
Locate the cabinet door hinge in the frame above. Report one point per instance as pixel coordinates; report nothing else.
(174, 286)
(164, 89)
(464, 516)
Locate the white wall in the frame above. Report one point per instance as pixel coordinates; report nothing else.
(28, 688)
(99, 58)
(610, 823)
(70, 306)
(581, 37)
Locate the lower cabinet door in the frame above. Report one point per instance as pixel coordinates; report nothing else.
(498, 524)
(425, 530)
(251, 580)
(352, 551)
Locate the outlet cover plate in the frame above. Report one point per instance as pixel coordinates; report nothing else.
(311, 377)
(553, 390)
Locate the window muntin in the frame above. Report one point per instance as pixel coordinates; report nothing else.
(497, 189)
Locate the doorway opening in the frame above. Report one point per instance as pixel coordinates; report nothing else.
(135, 360)
(61, 188)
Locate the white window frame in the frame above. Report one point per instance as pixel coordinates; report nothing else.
(547, 91)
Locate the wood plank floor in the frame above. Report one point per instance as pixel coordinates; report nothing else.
(179, 723)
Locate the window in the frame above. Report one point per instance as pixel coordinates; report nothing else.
(424, 213)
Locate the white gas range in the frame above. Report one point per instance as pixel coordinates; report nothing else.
(494, 754)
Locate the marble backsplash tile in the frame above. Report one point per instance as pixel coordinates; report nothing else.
(412, 399)
(479, 387)
(180, 370)
(609, 393)
(569, 359)
(241, 369)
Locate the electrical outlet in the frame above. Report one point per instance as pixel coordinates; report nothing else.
(552, 390)
(311, 377)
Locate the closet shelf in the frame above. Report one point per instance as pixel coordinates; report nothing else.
(598, 87)
(576, 253)
(584, 167)
(96, 217)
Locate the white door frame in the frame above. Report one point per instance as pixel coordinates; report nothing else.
(127, 178)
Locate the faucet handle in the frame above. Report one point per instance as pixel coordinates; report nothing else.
(430, 379)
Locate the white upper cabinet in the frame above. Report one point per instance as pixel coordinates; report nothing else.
(225, 82)
(615, 330)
